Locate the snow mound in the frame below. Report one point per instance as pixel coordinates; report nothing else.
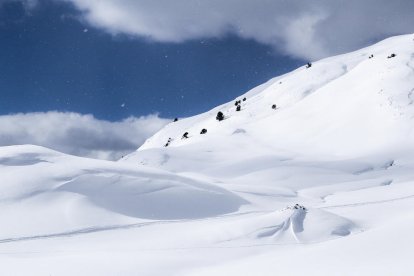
(295, 224)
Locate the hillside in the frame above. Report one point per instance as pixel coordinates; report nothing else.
(345, 106)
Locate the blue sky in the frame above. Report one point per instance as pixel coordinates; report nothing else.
(96, 78)
(52, 61)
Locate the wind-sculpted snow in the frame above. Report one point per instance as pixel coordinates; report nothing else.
(21, 160)
(68, 192)
(294, 224)
(314, 175)
(155, 197)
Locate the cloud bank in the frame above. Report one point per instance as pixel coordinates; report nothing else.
(300, 28)
(78, 134)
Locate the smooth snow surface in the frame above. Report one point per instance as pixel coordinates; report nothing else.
(321, 185)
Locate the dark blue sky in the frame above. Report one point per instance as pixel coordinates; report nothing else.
(49, 60)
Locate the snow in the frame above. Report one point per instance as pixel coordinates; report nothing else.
(323, 185)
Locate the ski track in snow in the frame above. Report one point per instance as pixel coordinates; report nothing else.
(367, 203)
(83, 231)
(91, 230)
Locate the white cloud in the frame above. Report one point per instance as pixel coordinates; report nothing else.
(78, 134)
(302, 28)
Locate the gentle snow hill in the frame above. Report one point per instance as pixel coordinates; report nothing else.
(321, 185)
(53, 192)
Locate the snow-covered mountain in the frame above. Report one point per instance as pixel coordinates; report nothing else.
(348, 105)
(314, 175)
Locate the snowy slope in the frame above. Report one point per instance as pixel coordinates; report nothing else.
(345, 105)
(321, 185)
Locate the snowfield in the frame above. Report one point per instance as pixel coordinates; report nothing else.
(323, 184)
